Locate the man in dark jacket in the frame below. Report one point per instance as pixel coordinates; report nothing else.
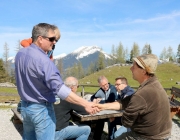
(63, 115)
(107, 93)
(124, 92)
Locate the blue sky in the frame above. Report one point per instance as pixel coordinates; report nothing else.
(96, 22)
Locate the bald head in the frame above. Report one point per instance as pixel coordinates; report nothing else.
(72, 83)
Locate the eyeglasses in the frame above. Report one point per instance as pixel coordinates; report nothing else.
(118, 84)
(51, 39)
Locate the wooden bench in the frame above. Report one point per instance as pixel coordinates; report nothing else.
(17, 116)
(174, 103)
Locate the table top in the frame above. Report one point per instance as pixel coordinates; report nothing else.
(100, 115)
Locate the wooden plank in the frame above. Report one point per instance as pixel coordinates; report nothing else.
(17, 114)
(100, 115)
(175, 91)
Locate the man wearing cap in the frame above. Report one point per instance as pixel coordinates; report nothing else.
(147, 113)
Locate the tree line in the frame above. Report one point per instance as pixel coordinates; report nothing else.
(119, 54)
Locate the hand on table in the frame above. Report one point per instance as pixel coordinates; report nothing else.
(97, 100)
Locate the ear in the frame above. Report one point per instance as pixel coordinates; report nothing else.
(144, 71)
(40, 39)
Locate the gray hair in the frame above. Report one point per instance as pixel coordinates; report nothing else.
(42, 29)
(71, 81)
(100, 78)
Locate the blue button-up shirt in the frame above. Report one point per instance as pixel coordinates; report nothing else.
(37, 78)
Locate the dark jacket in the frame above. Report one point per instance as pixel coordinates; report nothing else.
(109, 96)
(125, 96)
(63, 112)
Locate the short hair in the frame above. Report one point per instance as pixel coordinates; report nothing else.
(100, 78)
(57, 32)
(123, 80)
(42, 29)
(71, 81)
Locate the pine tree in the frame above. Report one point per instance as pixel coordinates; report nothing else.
(3, 75)
(178, 54)
(146, 49)
(101, 59)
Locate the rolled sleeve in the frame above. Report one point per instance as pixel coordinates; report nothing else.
(64, 92)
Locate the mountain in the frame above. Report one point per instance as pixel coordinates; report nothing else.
(85, 54)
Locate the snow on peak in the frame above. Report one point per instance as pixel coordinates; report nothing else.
(12, 59)
(59, 56)
(85, 51)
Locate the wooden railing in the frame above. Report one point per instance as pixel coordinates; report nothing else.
(135, 88)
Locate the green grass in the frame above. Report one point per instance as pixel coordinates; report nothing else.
(168, 74)
(8, 90)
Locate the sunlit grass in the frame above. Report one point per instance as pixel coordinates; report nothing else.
(168, 74)
(8, 90)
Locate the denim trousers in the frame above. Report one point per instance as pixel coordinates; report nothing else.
(133, 136)
(121, 130)
(78, 132)
(39, 121)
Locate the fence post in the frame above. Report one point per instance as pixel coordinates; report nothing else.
(82, 91)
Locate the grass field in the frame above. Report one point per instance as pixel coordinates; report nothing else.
(168, 74)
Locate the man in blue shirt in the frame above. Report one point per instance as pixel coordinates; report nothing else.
(38, 81)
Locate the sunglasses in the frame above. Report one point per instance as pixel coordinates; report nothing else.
(51, 39)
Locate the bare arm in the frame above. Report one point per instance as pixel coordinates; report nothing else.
(89, 106)
(110, 106)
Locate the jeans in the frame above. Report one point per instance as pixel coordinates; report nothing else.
(132, 136)
(78, 132)
(38, 121)
(121, 130)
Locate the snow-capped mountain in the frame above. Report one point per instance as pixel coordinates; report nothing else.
(11, 59)
(59, 56)
(84, 54)
(85, 51)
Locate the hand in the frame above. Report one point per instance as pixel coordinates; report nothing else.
(97, 100)
(111, 119)
(91, 108)
(100, 106)
(123, 86)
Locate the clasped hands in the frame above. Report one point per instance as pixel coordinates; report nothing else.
(96, 107)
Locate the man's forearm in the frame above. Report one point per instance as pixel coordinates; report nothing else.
(110, 106)
(73, 98)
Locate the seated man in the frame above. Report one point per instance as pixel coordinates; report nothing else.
(124, 91)
(106, 93)
(146, 112)
(63, 116)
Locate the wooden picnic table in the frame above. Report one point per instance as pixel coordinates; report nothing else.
(100, 115)
(17, 116)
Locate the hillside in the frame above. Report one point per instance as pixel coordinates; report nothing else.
(168, 74)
